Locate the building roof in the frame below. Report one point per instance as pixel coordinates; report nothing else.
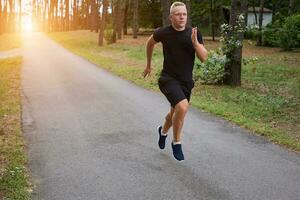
(250, 9)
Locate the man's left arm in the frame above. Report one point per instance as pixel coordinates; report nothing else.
(200, 50)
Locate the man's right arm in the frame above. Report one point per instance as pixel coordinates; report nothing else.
(149, 51)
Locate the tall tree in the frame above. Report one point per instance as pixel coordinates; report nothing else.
(45, 11)
(116, 5)
(254, 11)
(1, 16)
(188, 7)
(125, 17)
(120, 21)
(291, 7)
(233, 67)
(60, 26)
(103, 22)
(212, 19)
(94, 16)
(260, 22)
(135, 18)
(11, 18)
(165, 4)
(67, 17)
(20, 15)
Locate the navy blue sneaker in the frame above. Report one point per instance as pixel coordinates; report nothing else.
(177, 152)
(162, 139)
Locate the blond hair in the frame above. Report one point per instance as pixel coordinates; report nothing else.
(176, 4)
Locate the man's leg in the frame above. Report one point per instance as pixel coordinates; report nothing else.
(177, 122)
(180, 110)
(162, 131)
(168, 121)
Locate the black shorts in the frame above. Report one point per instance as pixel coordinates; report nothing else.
(175, 90)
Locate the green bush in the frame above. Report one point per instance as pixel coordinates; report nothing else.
(271, 34)
(108, 34)
(212, 71)
(251, 32)
(289, 36)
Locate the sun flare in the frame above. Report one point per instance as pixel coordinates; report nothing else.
(27, 25)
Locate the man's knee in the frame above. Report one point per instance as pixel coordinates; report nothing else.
(182, 106)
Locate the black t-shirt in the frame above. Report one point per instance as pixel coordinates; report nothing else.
(179, 52)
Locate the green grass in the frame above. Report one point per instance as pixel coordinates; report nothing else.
(13, 175)
(267, 103)
(9, 41)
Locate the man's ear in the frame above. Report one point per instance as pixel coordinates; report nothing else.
(170, 17)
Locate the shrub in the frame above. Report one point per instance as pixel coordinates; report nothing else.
(251, 32)
(289, 36)
(108, 34)
(212, 70)
(271, 34)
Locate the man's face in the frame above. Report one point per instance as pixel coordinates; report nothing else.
(178, 17)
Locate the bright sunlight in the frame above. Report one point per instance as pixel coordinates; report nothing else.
(27, 25)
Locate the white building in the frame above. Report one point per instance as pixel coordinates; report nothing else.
(267, 16)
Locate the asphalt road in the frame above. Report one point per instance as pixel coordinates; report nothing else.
(91, 135)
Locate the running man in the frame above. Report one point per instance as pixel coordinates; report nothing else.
(180, 43)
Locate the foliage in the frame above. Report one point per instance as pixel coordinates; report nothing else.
(271, 33)
(289, 36)
(200, 13)
(251, 31)
(284, 32)
(147, 20)
(108, 34)
(230, 36)
(212, 70)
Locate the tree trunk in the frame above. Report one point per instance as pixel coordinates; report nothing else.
(125, 17)
(103, 22)
(5, 16)
(39, 16)
(11, 18)
(246, 15)
(55, 22)
(51, 16)
(291, 7)
(115, 10)
(46, 9)
(135, 18)
(274, 9)
(254, 11)
(67, 20)
(1, 18)
(94, 16)
(212, 24)
(120, 21)
(74, 17)
(165, 4)
(188, 7)
(61, 26)
(87, 14)
(261, 12)
(20, 16)
(233, 67)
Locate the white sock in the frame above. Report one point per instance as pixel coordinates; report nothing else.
(163, 134)
(176, 142)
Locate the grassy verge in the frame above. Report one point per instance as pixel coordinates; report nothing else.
(267, 103)
(13, 174)
(10, 41)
